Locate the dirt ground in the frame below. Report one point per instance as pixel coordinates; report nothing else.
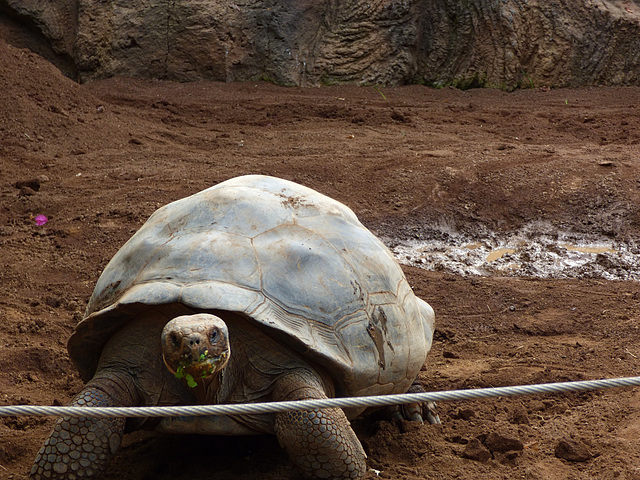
(412, 162)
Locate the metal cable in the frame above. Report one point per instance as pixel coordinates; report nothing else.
(272, 407)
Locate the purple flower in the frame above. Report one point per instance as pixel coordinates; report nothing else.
(41, 219)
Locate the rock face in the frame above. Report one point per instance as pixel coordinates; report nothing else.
(506, 44)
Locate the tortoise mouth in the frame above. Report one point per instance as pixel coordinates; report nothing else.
(203, 367)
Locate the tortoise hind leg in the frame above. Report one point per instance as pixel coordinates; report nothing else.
(79, 448)
(321, 441)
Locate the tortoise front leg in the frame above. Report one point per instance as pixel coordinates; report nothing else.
(79, 448)
(321, 441)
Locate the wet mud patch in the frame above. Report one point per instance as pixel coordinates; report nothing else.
(528, 252)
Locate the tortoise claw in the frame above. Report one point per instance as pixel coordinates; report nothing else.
(416, 411)
(395, 413)
(412, 412)
(416, 417)
(431, 413)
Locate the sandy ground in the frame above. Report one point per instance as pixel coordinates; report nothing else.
(413, 163)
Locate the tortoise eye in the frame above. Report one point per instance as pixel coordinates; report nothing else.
(214, 336)
(175, 340)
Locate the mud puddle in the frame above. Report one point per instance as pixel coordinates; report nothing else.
(525, 253)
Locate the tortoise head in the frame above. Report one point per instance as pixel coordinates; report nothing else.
(195, 347)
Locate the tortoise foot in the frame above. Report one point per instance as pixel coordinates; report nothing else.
(320, 441)
(79, 448)
(416, 412)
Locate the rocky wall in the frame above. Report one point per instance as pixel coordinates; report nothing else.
(505, 44)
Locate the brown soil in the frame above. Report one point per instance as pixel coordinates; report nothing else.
(98, 159)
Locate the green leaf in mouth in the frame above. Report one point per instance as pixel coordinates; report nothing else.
(190, 381)
(208, 370)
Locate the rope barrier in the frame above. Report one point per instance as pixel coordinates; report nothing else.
(347, 402)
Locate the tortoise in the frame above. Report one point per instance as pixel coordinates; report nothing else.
(256, 289)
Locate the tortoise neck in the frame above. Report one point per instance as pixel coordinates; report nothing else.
(208, 388)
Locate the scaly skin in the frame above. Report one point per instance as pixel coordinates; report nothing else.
(79, 448)
(321, 441)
